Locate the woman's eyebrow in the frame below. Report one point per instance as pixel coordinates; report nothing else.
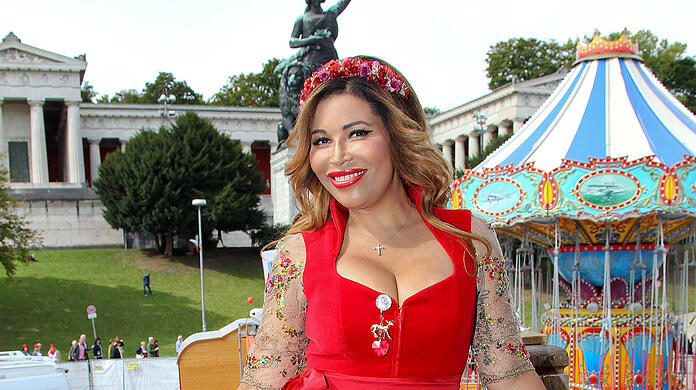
(315, 131)
(351, 124)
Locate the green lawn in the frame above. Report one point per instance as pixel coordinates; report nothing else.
(46, 301)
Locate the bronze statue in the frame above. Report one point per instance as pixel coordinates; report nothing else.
(314, 34)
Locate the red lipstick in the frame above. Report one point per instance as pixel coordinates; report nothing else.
(346, 178)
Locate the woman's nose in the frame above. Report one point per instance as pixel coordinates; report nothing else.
(340, 153)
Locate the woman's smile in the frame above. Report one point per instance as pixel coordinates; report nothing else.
(346, 178)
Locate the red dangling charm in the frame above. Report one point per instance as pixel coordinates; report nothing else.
(381, 331)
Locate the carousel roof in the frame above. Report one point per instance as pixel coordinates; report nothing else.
(610, 145)
(609, 105)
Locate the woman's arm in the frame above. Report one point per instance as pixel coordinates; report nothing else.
(278, 352)
(501, 357)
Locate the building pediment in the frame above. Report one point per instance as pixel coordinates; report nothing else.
(15, 55)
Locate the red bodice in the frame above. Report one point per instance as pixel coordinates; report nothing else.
(432, 330)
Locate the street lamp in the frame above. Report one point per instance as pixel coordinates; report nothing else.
(200, 203)
(164, 100)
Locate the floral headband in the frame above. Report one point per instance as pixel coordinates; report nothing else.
(373, 70)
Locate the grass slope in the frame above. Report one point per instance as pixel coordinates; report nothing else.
(46, 301)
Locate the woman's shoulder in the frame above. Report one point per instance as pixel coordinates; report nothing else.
(292, 247)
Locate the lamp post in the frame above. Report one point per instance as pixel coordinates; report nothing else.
(164, 99)
(200, 203)
(480, 127)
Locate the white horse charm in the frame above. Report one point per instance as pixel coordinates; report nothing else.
(383, 330)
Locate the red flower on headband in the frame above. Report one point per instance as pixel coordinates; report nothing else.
(372, 70)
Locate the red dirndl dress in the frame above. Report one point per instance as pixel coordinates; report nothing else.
(432, 330)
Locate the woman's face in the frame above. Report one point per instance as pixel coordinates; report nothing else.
(350, 152)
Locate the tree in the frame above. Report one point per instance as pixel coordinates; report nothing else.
(129, 96)
(524, 59)
(150, 187)
(166, 84)
(252, 89)
(16, 238)
(87, 92)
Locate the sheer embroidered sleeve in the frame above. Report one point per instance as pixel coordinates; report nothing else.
(278, 353)
(497, 345)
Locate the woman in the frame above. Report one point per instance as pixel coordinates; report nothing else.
(53, 353)
(72, 352)
(25, 350)
(375, 283)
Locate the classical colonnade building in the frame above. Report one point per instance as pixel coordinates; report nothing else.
(464, 131)
(53, 144)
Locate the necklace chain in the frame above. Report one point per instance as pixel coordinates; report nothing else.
(380, 243)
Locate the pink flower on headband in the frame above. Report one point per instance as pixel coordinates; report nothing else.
(322, 75)
(365, 69)
(372, 70)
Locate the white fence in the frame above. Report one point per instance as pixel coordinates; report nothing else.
(123, 374)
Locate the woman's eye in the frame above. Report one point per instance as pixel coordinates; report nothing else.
(320, 141)
(360, 133)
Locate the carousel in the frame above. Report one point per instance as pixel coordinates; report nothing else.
(594, 199)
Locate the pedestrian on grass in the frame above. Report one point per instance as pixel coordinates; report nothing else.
(117, 350)
(25, 350)
(151, 346)
(72, 353)
(146, 284)
(109, 348)
(179, 343)
(82, 348)
(155, 351)
(37, 350)
(97, 349)
(141, 352)
(53, 353)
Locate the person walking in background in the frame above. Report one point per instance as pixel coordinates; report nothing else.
(146, 284)
(37, 350)
(82, 348)
(72, 353)
(97, 349)
(179, 343)
(117, 350)
(141, 352)
(109, 348)
(151, 346)
(53, 353)
(155, 350)
(25, 350)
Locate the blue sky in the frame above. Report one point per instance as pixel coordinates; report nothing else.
(439, 45)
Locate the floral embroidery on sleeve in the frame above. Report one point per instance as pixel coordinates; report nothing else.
(497, 345)
(278, 352)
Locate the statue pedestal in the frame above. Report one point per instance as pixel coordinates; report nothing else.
(284, 209)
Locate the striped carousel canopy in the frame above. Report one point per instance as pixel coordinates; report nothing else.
(609, 105)
(610, 144)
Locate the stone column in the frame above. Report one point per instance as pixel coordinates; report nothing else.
(94, 159)
(282, 195)
(459, 153)
(246, 146)
(76, 160)
(473, 144)
(123, 143)
(4, 162)
(447, 151)
(39, 159)
(516, 124)
(487, 136)
(504, 129)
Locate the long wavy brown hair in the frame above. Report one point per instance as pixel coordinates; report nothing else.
(414, 157)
